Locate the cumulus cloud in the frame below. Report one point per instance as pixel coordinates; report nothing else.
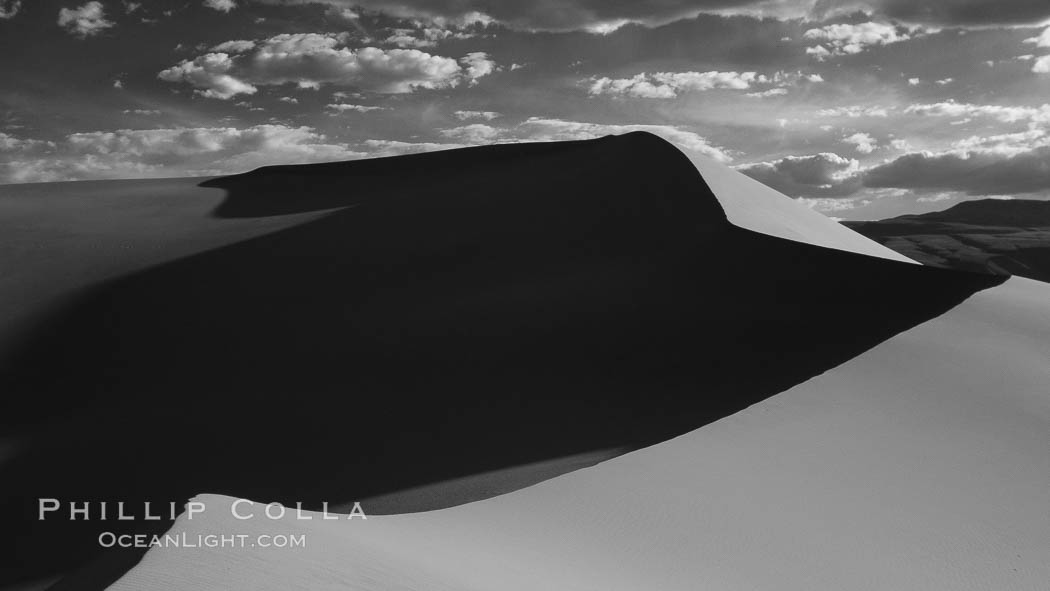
(1042, 65)
(817, 175)
(863, 142)
(221, 5)
(665, 85)
(424, 35)
(238, 46)
(768, 93)
(412, 38)
(9, 8)
(12, 144)
(854, 111)
(310, 60)
(845, 39)
(210, 75)
(486, 115)
(143, 153)
(85, 21)
(476, 65)
(343, 107)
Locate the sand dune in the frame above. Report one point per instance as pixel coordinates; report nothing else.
(402, 323)
(920, 464)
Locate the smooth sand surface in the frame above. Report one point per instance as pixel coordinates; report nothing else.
(752, 205)
(921, 464)
(444, 317)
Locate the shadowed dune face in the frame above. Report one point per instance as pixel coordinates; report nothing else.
(465, 311)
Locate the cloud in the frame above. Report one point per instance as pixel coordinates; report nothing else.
(11, 144)
(665, 85)
(974, 172)
(475, 133)
(854, 111)
(476, 65)
(1042, 40)
(210, 74)
(863, 142)
(1042, 65)
(539, 129)
(239, 46)
(817, 175)
(543, 129)
(86, 21)
(413, 38)
(768, 93)
(9, 8)
(221, 5)
(844, 38)
(1005, 144)
(596, 16)
(486, 115)
(145, 153)
(384, 148)
(1032, 115)
(430, 34)
(343, 107)
(1004, 114)
(311, 60)
(602, 16)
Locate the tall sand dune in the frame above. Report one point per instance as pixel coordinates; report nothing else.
(920, 464)
(368, 328)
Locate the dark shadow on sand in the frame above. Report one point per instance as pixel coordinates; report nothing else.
(474, 309)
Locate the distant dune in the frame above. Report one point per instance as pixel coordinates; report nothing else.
(1008, 237)
(374, 329)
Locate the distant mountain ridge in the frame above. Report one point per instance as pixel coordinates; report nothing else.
(989, 235)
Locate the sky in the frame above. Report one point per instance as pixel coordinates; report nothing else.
(861, 109)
